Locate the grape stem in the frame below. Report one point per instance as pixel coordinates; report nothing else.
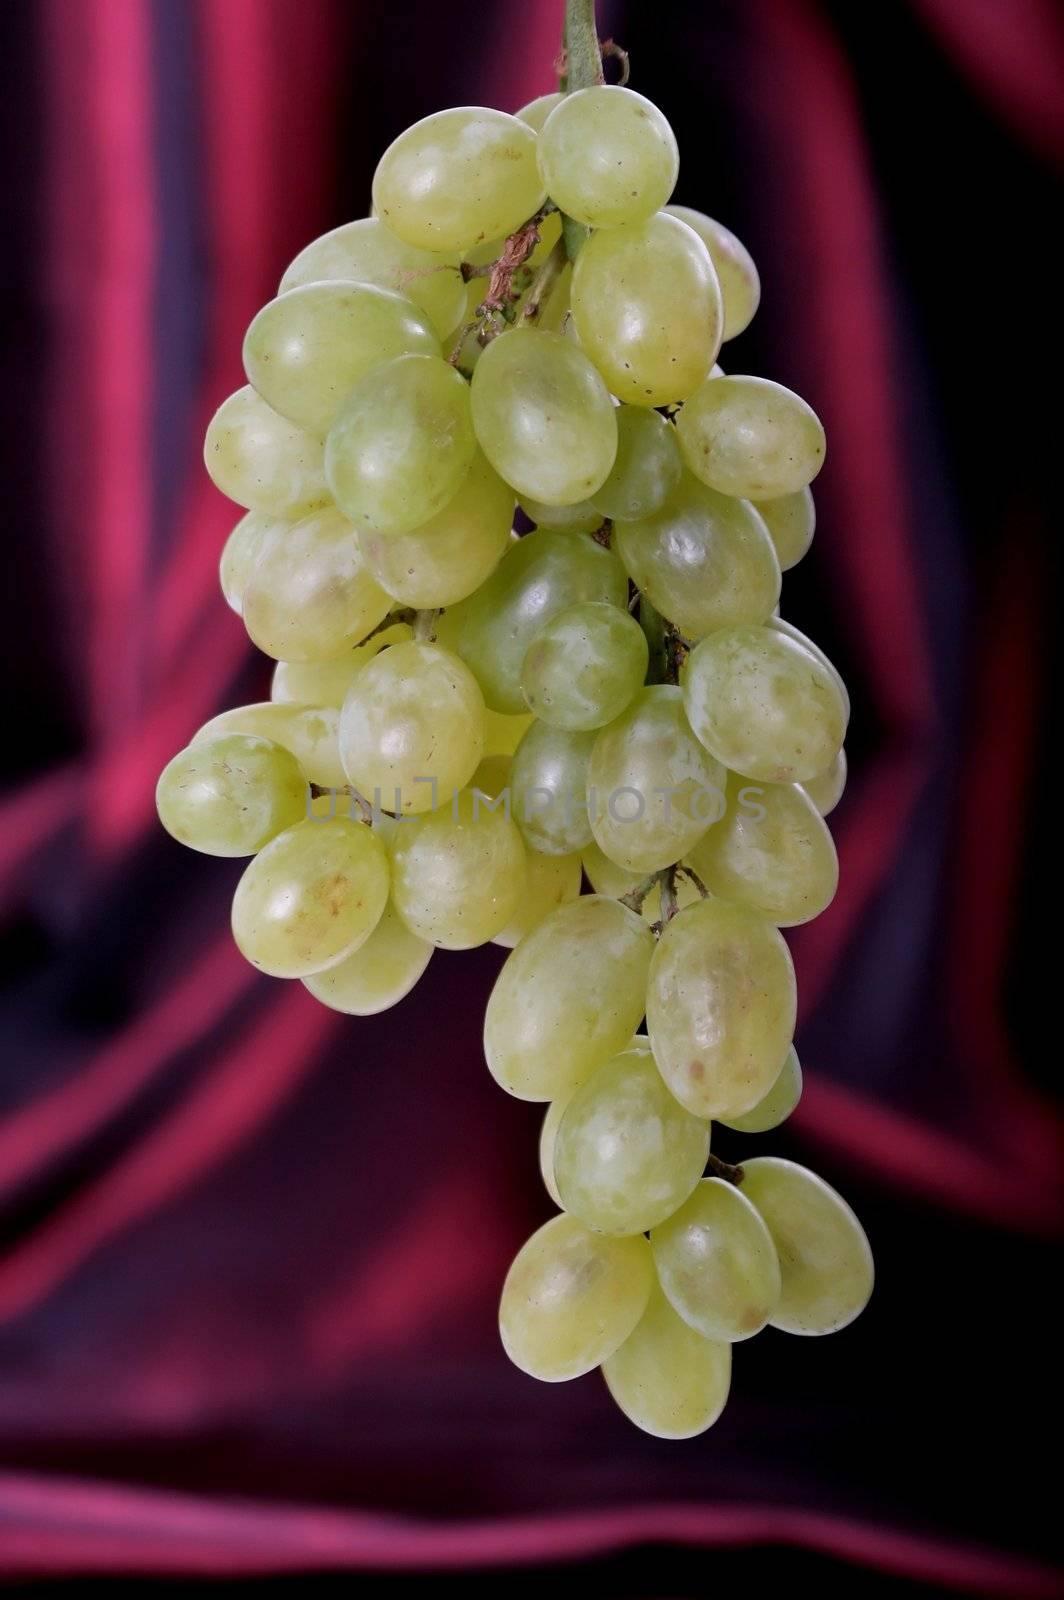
(693, 877)
(318, 789)
(543, 284)
(635, 897)
(425, 625)
(579, 67)
(508, 277)
(724, 1169)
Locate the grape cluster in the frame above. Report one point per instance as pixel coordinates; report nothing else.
(467, 718)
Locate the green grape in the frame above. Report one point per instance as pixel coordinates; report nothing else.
(740, 285)
(582, 518)
(412, 728)
(552, 881)
(775, 1106)
(537, 111)
(454, 552)
(548, 787)
(305, 351)
(539, 576)
(311, 596)
(311, 733)
(569, 997)
(606, 877)
(584, 665)
(721, 1007)
(826, 789)
(379, 974)
(781, 625)
(548, 1134)
(543, 416)
(325, 683)
(263, 461)
(764, 705)
(717, 1264)
(652, 789)
(502, 734)
(770, 851)
(647, 309)
(791, 523)
(626, 1153)
(366, 252)
(607, 156)
(402, 444)
(570, 1298)
(230, 796)
(240, 554)
(647, 467)
(457, 178)
(825, 1257)
(751, 438)
(458, 874)
(704, 560)
(667, 1378)
(311, 897)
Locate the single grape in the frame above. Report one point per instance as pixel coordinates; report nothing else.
(379, 974)
(458, 874)
(366, 252)
(311, 596)
(791, 523)
(717, 1264)
(647, 309)
(740, 285)
(548, 788)
(607, 156)
(569, 997)
(666, 1378)
(311, 733)
(412, 728)
(825, 1257)
(584, 665)
(626, 1153)
(230, 796)
(781, 625)
(263, 461)
(325, 683)
(646, 470)
(552, 881)
(543, 416)
(457, 178)
(775, 1106)
(826, 789)
(750, 437)
(582, 518)
(240, 554)
(311, 897)
(764, 705)
(720, 1006)
(548, 1134)
(537, 111)
(704, 560)
(570, 1298)
(606, 877)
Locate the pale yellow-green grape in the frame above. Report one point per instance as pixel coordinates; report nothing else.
(826, 789)
(570, 1298)
(764, 705)
(704, 560)
(652, 789)
(556, 314)
(311, 595)
(458, 178)
(552, 881)
(366, 252)
(538, 576)
(548, 1133)
(777, 1105)
(825, 1256)
(548, 788)
(379, 974)
(627, 1154)
(311, 897)
(231, 795)
(537, 111)
(740, 285)
(721, 1007)
(401, 445)
(607, 156)
(412, 728)
(543, 416)
(781, 625)
(750, 437)
(647, 309)
(791, 523)
(311, 733)
(454, 552)
(569, 997)
(717, 1264)
(606, 877)
(325, 683)
(502, 734)
(771, 851)
(240, 554)
(305, 351)
(582, 518)
(647, 467)
(667, 1378)
(584, 665)
(263, 461)
(458, 874)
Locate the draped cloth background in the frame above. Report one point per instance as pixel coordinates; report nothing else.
(251, 1250)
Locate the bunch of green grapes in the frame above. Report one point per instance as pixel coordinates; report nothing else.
(466, 721)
